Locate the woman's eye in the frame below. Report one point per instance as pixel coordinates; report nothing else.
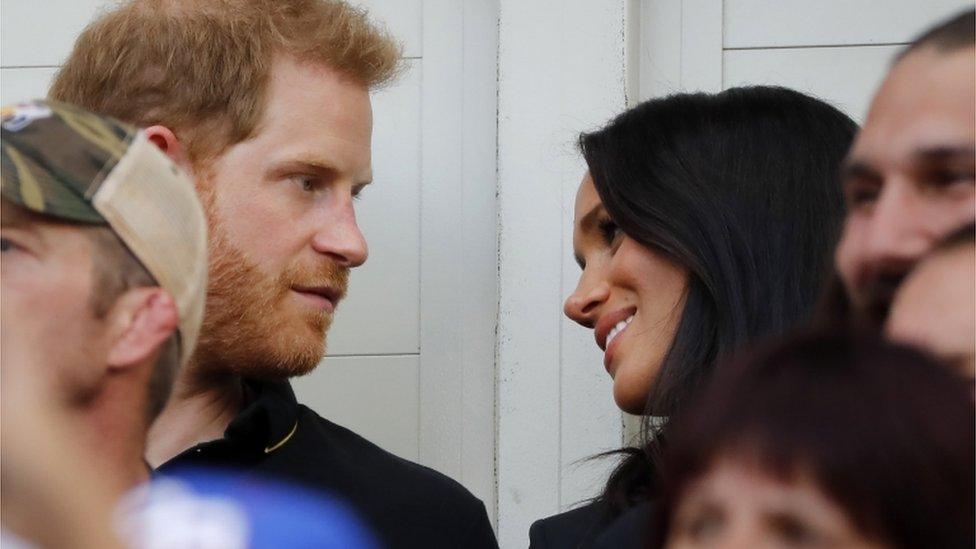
(609, 231)
(6, 245)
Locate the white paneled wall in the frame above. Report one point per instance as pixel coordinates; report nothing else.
(794, 23)
(381, 314)
(350, 390)
(844, 76)
(838, 50)
(20, 83)
(416, 377)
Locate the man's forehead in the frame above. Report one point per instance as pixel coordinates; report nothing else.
(927, 83)
(920, 106)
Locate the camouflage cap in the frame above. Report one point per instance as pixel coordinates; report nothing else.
(62, 161)
(54, 157)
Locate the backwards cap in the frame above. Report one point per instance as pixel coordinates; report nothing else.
(64, 162)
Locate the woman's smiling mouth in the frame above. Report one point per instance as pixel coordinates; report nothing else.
(608, 330)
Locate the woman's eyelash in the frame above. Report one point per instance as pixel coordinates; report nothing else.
(609, 230)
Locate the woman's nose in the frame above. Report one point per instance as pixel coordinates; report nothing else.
(583, 304)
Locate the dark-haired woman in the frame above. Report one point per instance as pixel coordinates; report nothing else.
(823, 441)
(704, 222)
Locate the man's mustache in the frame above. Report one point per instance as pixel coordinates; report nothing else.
(878, 294)
(329, 275)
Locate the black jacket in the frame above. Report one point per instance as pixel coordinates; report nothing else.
(574, 529)
(402, 503)
(588, 528)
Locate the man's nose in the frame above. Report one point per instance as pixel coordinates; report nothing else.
(583, 304)
(900, 230)
(338, 235)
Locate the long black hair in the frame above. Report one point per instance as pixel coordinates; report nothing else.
(884, 431)
(741, 188)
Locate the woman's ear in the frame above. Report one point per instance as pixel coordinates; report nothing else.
(166, 140)
(141, 320)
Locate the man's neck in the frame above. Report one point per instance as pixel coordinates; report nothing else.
(116, 438)
(198, 411)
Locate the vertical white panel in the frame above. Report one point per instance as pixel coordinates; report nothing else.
(701, 45)
(479, 250)
(376, 397)
(632, 49)
(680, 46)
(660, 48)
(458, 273)
(530, 248)
(557, 76)
(442, 227)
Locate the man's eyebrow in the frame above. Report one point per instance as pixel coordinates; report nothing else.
(315, 165)
(943, 153)
(857, 169)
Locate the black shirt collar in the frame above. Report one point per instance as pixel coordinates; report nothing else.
(269, 417)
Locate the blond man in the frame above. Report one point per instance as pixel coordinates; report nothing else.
(266, 104)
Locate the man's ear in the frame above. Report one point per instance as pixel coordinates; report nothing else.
(166, 140)
(141, 320)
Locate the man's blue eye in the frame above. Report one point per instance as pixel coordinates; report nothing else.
(307, 184)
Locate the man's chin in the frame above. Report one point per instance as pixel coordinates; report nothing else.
(267, 358)
(277, 369)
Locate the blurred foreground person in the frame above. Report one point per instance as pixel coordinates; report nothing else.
(828, 442)
(103, 276)
(935, 307)
(909, 178)
(265, 103)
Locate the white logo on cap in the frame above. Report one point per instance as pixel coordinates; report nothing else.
(23, 115)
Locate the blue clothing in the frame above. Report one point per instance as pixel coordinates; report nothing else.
(212, 508)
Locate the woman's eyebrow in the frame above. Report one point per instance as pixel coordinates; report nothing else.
(589, 219)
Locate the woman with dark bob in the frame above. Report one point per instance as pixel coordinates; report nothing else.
(823, 441)
(702, 223)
